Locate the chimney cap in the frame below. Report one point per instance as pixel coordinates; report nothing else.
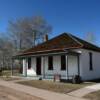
(45, 37)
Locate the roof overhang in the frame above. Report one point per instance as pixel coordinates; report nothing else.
(67, 52)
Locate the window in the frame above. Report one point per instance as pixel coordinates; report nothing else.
(91, 64)
(29, 63)
(50, 63)
(63, 62)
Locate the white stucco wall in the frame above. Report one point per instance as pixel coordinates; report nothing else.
(32, 71)
(72, 65)
(56, 67)
(86, 74)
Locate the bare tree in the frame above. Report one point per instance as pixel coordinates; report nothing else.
(6, 52)
(27, 32)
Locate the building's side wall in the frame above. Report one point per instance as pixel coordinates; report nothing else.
(87, 74)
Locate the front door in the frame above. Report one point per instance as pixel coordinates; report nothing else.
(38, 65)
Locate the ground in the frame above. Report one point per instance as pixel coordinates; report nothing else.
(54, 86)
(34, 92)
(93, 96)
(10, 94)
(60, 87)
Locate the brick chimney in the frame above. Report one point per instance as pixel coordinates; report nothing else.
(45, 37)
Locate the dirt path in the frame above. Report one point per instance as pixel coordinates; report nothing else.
(10, 94)
(31, 92)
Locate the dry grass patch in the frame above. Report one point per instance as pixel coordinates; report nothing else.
(6, 75)
(9, 78)
(53, 86)
(93, 96)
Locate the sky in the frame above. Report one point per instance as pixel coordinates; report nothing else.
(73, 16)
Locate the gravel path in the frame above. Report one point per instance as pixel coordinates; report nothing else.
(10, 94)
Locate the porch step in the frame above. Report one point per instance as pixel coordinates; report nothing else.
(33, 77)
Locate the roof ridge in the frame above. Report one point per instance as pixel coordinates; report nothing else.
(84, 41)
(70, 35)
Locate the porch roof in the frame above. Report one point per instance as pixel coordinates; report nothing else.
(60, 43)
(50, 53)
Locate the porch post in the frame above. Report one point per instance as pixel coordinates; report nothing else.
(78, 61)
(25, 67)
(67, 76)
(43, 67)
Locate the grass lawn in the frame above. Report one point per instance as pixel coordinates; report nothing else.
(93, 96)
(54, 86)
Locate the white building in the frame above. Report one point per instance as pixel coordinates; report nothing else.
(66, 55)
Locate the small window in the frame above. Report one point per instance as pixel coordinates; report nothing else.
(63, 62)
(91, 63)
(29, 63)
(50, 63)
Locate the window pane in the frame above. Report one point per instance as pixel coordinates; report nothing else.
(50, 63)
(91, 64)
(29, 63)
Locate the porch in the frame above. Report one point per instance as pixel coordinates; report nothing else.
(46, 66)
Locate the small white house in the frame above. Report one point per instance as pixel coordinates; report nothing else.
(66, 55)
